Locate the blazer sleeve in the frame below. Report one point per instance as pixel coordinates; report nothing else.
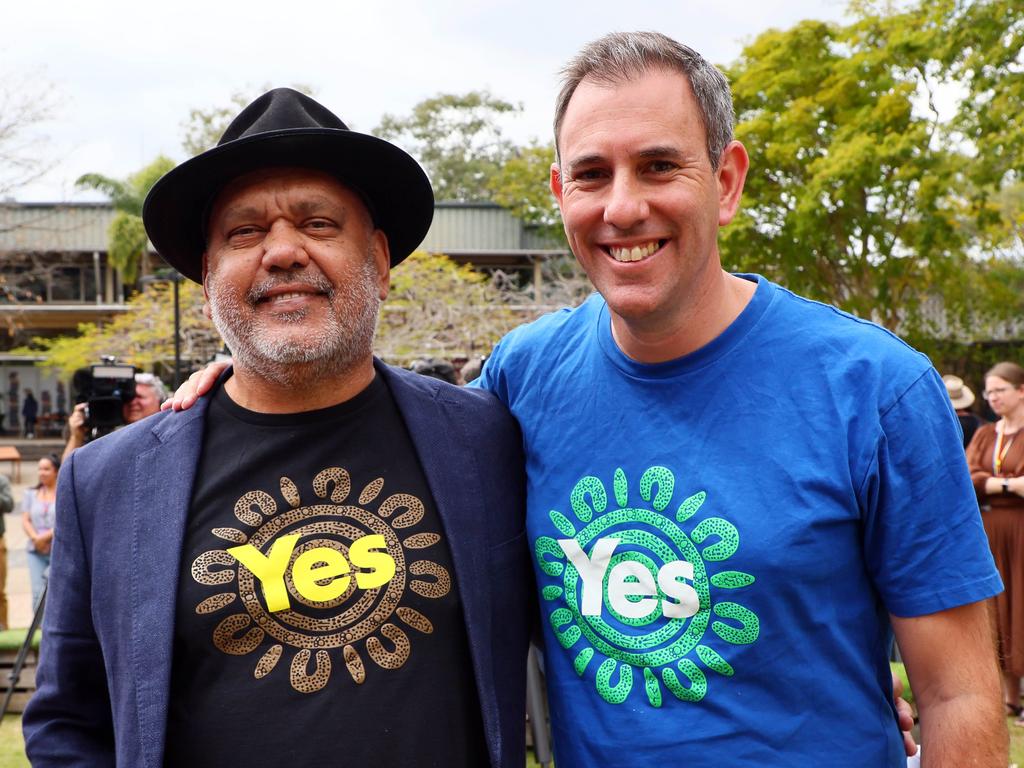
(68, 720)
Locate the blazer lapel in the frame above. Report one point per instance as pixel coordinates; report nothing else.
(163, 480)
(435, 426)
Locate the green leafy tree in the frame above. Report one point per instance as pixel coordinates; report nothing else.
(458, 139)
(520, 184)
(979, 46)
(127, 235)
(859, 193)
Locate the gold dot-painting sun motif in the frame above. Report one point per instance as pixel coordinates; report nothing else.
(323, 584)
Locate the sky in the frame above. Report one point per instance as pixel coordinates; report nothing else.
(123, 76)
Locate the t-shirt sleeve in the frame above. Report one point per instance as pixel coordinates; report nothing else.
(924, 542)
(491, 377)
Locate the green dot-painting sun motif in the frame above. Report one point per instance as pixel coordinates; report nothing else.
(658, 623)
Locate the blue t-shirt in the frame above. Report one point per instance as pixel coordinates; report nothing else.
(718, 540)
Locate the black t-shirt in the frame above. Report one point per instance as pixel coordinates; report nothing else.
(318, 619)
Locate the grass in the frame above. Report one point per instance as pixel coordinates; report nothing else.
(1016, 743)
(12, 747)
(12, 639)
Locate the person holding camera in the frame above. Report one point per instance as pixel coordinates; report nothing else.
(149, 393)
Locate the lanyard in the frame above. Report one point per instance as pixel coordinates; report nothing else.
(999, 452)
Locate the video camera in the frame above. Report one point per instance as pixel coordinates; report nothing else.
(105, 388)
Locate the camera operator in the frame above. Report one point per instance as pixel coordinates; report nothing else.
(149, 393)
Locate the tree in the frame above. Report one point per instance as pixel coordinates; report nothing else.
(856, 193)
(457, 138)
(138, 337)
(204, 127)
(127, 234)
(438, 307)
(520, 184)
(25, 104)
(979, 45)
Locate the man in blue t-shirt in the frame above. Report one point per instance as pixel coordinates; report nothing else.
(734, 494)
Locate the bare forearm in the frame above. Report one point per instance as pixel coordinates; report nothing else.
(967, 731)
(951, 661)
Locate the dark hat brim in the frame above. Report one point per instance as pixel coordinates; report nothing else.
(391, 182)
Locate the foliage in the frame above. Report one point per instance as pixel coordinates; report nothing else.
(458, 140)
(204, 127)
(141, 336)
(127, 235)
(520, 184)
(437, 307)
(979, 45)
(861, 192)
(12, 744)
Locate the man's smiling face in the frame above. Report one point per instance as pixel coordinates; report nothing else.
(639, 197)
(294, 271)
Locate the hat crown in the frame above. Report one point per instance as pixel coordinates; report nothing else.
(280, 109)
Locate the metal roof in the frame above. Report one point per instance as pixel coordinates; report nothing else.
(45, 227)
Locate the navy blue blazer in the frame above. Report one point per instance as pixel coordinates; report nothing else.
(122, 502)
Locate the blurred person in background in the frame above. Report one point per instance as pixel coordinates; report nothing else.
(37, 515)
(996, 458)
(962, 398)
(6, 505)
(29, 412)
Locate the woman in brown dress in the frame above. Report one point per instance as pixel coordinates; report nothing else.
(996, 459)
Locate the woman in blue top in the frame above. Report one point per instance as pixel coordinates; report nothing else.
(37, 514)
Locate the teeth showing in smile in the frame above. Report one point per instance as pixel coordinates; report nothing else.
(636, 253)
(285, 296)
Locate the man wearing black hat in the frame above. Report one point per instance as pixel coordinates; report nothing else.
(311, 578)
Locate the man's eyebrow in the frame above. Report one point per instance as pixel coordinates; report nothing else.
(585, 160)
(320, 205)
(666, 151)
(240, 212)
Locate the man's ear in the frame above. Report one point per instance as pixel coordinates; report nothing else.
(732, 173)
(556, 183)
(382, 261)
(206, 292)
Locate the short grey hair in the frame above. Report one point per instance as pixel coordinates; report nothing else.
(152, 381)
(622, 56)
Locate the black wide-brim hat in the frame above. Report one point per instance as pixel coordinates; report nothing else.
(286, 128)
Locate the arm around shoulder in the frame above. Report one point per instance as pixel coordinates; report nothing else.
(68, 720)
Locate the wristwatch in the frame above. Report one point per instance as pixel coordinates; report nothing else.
(1006, 485)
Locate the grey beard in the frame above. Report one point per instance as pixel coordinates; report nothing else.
(323, 352)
